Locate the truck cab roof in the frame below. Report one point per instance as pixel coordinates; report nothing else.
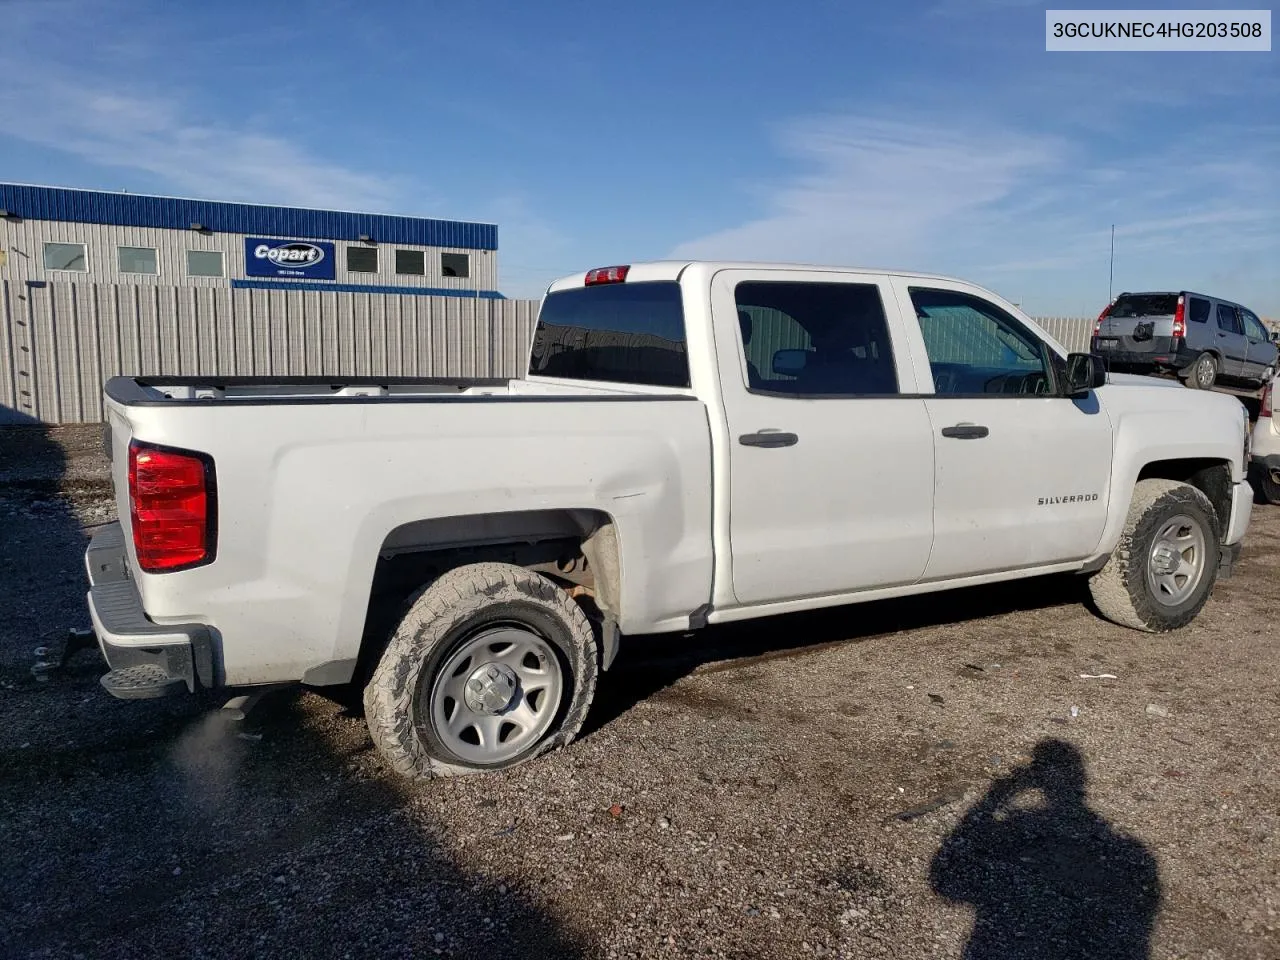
(657, 270)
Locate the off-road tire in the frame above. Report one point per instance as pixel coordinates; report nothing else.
(1195, 381)
(1120, 588)
(438, 620)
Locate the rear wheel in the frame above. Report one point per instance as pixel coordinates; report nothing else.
(1266, 483)
(1163, 569)
(1204, 372)
(492, 666)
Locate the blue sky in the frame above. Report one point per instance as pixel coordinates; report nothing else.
(934, 136)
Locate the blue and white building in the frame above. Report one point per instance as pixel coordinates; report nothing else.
(59, 234)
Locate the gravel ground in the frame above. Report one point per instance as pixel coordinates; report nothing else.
(930, 778)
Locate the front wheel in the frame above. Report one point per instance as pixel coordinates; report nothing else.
(1204, 372)
(1161, 573)
(491, 666)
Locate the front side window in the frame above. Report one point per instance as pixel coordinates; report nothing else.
(1253, 326)
(412, 262)
(65, 256)
(137, 260)
(1228, 319)
(204, 263)
(619, 333)
(975, 348)
(809, 339)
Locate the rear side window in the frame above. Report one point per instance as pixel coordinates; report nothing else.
(616, 332)
(1228, 319)
(1144, 305)
(815, 339)
(1199, 310)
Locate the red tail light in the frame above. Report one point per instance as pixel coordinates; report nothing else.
(1097, 327)
(606, 275)
(1266, 400)
(1180, 318)
(173, 503)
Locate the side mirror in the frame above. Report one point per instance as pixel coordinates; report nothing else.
(790, 363)
(1085, 372)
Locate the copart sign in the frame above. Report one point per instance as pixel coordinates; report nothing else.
(300, 259)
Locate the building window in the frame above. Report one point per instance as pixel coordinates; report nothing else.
(455, 265)
(138, 260)
(65, 256)
(412, 262)
(204, 263)
(362, 259)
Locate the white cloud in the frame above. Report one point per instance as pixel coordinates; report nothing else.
(534, 250)
(1016, 210)
(881, 192)
(154, 134)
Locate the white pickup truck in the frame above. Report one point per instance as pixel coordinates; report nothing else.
(695, 443)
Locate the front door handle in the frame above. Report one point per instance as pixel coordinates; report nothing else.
(965, 431)
(768, 438)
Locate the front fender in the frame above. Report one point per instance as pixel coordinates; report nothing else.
(1181, 429)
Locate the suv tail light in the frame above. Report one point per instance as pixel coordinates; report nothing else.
(173, 506)
(1097, 327)
(1180, 318)
(606, 275)
(1266, 400)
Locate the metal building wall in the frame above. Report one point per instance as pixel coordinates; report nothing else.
(248, 219)
(22, 241)
(59, 343)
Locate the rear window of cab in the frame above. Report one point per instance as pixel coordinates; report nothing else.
(614, 333)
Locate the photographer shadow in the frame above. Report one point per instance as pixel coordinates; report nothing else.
(1053, 881)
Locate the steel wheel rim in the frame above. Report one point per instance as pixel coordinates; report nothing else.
(1205, 373)
(466, 705)
(1176, 560)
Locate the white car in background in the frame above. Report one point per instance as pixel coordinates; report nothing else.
(1266, 448)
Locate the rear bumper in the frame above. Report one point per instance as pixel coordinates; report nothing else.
(172, 657)
(1167, 353)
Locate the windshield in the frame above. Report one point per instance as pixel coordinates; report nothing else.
(1145, 305)
(617, 332)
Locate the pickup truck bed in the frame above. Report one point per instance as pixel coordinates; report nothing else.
(354, 475)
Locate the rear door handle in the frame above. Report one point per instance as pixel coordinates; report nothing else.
(965, 431)
(768, 438)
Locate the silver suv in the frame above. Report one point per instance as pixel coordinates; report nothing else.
(1203, 339)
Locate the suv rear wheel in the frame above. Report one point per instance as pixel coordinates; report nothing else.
(1203, 373)
(1161, 573)
(1266, 483)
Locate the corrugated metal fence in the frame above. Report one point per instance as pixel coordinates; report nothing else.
(1073, 333)
(59, 343)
